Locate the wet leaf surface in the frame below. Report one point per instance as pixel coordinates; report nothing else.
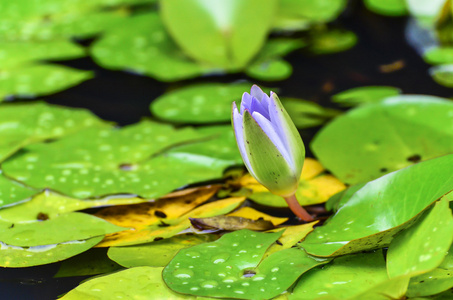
(374, 139)
(226, 267)
(386, 205)
(12, 193)
(364, 95)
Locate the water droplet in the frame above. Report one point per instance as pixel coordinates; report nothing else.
(183, 273)
(230, 279)
(194, 288)
(245, 284)
(220, 258)
(239, 292)
(210, 284)
(258, 277)
(275, 269)
(193, 254)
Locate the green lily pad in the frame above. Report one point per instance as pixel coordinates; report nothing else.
(22, 124)
(50, 205)
(435, 281)
(439, 56)
(13, 54)
(231, 31)
(20, 257)
(39, 79)
(306, 114)
(134, 283)
(278, 47)
(386, 205)
(226, 267)
(372, 140)
(338, 200)
(442, 74)
(394, 288)
(64, 228)
(97, 162)
(429, 239)
(204, 103)
(365, 94)
(332, 41)
(92, 262)
(142, 45)
(12, 192)
(156, 254)
(311, 11)
(343, 278)
(392, 8)
(270, 70)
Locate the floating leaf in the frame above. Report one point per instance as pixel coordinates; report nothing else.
(332, 41)
(253, 214)
(306, 114)
(134, 283)
(158, 253)
(231, 31)
(439, 55)
(20, 257)
(39, 79)
(311, 11)
(226, 267)
(442, 74)
(25, 123)
(393, 288)
(50, 205)
(435, 281)
(14, 54)
(338, 200)
(387, 205)
(314, 187)
(169, 227)
(429, 240)
(230, 223)
(270, 70)
(64, 228)
(142, 45)
(97, 162)
(372, 140)
(342, 278)
(12, 192)
(365, 94)
(91, 262)
(392, 8)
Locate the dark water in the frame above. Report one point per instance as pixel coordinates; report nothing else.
(124, 98)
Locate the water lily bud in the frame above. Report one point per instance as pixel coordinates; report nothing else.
(269, 142)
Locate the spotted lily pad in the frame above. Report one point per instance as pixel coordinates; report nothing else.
(230, 267)
(20, 257)
(133, 283)
(429, 240)
(48, 205)
(97, 162)
(365, 94)
(372, 140)
(142, 45)
(314, 187)
(12, 192)
(158, 253)
(64, 228)
(342, 278)
(386, 205)
(25, 123)
(39, 79)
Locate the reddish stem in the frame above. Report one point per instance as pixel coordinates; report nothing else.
(297, 209)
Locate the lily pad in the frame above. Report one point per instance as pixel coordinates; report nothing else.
(231, 31)
(342, 278)
(429, 240)
(442, 74)
(22, 124)
(306, 114)
(386, 205)
(270, 70)
(312, 12)
(372, 140)
(158, 253)
(96, 162)
(392, 8)
(439, 55)
(64, 228)
(365, 94)
(142, 45)
(226, 267)
(133, 283)
(48, 205)
(91, 262)
(20, 257)
(332, 41)
(39, 79)
(12, 192)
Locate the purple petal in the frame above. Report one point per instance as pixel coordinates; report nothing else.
(258, 107)
(238, 126)
(257, 92)
(277, 121)
(273, 135)
(246, 102)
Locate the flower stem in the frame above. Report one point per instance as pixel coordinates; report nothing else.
(297, 209)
